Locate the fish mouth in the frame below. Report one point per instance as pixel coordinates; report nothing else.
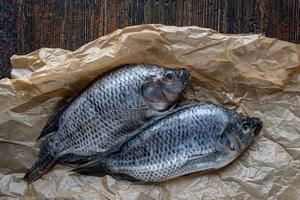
(258, 125)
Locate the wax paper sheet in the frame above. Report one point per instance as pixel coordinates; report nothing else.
(249, 73)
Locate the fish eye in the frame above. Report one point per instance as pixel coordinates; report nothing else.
(169, 75)
(246, 129)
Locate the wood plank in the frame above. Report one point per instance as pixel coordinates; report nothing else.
(27, 25)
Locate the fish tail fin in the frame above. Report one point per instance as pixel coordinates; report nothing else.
(93, 168)
(39, 168)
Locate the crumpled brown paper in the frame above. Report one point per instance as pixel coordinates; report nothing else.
(251, 73)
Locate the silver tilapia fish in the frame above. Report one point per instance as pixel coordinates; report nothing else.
(193, 138)
(102, 115)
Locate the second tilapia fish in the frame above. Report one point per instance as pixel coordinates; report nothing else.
(193, 138)
(103, 114)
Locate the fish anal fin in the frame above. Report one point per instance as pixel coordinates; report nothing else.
(71, 158)
(93, 168)
(123, 177)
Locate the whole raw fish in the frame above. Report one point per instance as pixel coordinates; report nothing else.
(102, 115)
(193, 138)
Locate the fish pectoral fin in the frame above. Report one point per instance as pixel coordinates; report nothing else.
(196, 158)
(93, 168)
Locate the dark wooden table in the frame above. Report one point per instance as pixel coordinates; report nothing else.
(27, 25)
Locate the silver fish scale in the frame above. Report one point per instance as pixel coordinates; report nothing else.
(163, 150)
(95, 121)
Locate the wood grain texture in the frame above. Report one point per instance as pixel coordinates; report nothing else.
(27, 25)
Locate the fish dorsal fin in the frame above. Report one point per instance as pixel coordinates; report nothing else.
(53, 122)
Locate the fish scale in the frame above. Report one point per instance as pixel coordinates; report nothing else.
(189, 139)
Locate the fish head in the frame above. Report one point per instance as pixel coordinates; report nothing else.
(243, 131)
(161, 90)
